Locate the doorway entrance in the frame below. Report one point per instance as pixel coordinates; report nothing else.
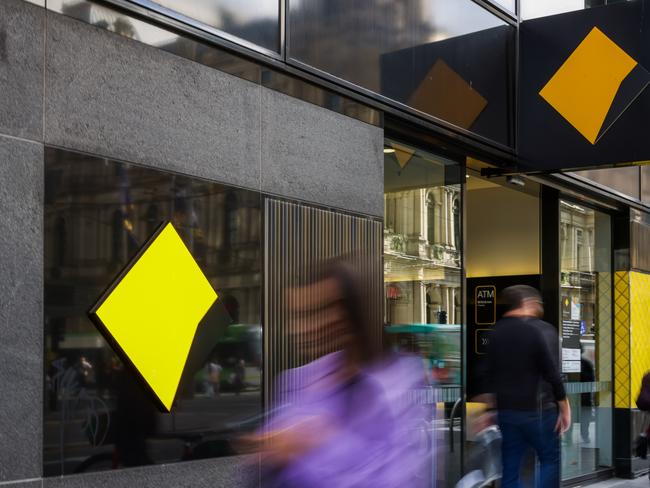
(521, 232)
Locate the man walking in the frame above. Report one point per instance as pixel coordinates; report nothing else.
(519, 359)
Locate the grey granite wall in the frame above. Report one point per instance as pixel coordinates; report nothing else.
(316, 155)
(108, 95)
(21, 308)
(22, 29)
(68, 84)
(22, 44)
(222, 472)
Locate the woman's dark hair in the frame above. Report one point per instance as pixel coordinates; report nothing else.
(347, 272)
(513, 297)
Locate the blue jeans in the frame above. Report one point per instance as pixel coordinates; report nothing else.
(521, 431)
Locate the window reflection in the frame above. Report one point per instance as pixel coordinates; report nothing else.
(422, 254)
(422, 276)
(257, 22)
(98, 214)
(422, 239)
(586, 297)
(447, 58)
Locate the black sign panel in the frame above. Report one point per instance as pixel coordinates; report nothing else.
(483, 310)
(571, 346)
(602, 53)
(571, 334)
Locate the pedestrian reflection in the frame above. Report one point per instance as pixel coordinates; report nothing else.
(344, 418)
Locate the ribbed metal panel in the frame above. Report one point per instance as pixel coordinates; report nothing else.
(297, 239)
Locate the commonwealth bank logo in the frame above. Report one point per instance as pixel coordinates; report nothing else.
(152, 311)
(595, 85)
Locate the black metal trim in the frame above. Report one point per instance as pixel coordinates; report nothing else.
(549, 233)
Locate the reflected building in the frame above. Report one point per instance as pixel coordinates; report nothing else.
(330, 25)
(579, 269)
(423, 256)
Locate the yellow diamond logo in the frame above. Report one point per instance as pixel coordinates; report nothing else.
(152, 311)
(584, 88)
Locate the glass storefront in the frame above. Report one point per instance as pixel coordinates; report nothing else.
(98, 214)
(586, 336)
(423, 289)
(423, 279)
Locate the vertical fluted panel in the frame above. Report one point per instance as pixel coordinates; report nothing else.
(297, 239)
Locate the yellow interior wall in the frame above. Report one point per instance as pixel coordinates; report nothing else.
(502, 232)
(639, 331)
(622, 391)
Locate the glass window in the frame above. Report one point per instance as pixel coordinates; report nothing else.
(586, 331)
(98, 415)
(256, 22)
(422, 272)
(531, 9)
(451, 59)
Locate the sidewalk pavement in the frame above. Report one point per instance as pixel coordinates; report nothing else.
(642, 482)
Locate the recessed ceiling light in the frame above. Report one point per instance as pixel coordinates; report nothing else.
(389, 150)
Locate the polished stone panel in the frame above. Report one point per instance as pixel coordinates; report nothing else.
(240, 471)
(22, 34)
(112, 96)
(316, 155)
(21, 308)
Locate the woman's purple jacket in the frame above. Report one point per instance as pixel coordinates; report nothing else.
(375, 432)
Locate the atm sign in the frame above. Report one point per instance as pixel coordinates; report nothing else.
(485, 305)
